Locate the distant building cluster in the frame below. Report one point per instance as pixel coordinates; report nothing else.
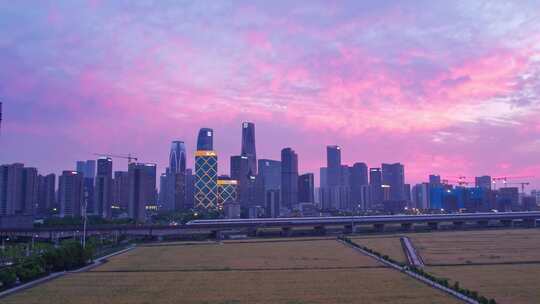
(253, 188)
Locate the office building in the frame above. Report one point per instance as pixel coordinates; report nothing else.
(46, 199)
(240, 172)
(227, 192)
(173, 181)
(434, 180)
(483, 182)
(190, 189)
(248, 146)
(289, 178)
(177, 157)
(206, 169)
(103, 189)
(121, 190)
(142, 189)
(87, 168)
(306, 188)
(272, 204)
(71, 194)
(270, 173)
(393, 175)
(205, 140)
(420, 196)
(18, 189)
(375, 183)
(333, 165)
(358, 181)
(508, 199)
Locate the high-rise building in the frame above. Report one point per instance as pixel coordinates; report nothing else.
(306, 188)
(333, 163)
(323, 182)
(173, 182)
(435, 180)
(420, 196)
(121, 190)
(483, 182)
(29, 197)
(206, 169)
(358, 179)
(248, 146)
(190, 189)
(241, 172)
(270, 173)
(103, 190)
(46, 193)
(142, 189)
(375, 183)
(205, 140)
(393, 175)
(177, 157)
(272, 203)
(87, 168)
(289, 178)
(227, 192)
(71, 194)
(18, 189)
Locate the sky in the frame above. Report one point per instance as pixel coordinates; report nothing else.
(446, 87)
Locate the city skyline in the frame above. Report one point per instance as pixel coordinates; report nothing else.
(454, 92)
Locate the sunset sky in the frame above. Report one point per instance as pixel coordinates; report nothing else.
(448, 87)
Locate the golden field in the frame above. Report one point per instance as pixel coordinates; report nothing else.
(512, 284)
(245, 255)
(253, 272)
(388, 245)
(490, 246)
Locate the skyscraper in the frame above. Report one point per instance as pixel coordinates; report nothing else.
(333, 163)
(248, 146)
(103, 190)
(375, 183)
(173, 184)
(18, 189)
(46, 193)
(483, 182)
(270, 173)
(393, 175)
(88, 169)
(306, 188)
(205, 140)
(177, 157)
(206, 169)
(71, 194)
(358, 179)
(227, 192)
(289, 178)
(240, 172)
(142, 189)
(121, 189)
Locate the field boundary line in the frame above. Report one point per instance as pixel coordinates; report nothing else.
(418, 277)
(56, 275)
(240, 269)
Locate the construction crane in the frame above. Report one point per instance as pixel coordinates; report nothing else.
(523, 184)
(129, 157)
(505, 179)
(459, 182)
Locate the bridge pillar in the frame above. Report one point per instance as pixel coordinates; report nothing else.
(507, 223)
(320, 230)
(378, 227)
(286, 231)
(459, 225)
(406, 226)
(348, 229)
(433, 225)
(483, 223)
(530, 223)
